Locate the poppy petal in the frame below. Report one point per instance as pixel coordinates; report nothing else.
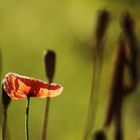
(19, 87)
(43, 93)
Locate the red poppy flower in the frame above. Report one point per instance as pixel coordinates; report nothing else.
(18, 86)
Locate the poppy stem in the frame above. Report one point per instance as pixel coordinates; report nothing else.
(49, 60)
(4, 122)
(45, 125)
(26, 119)
(118, 131)
(102, 24)
(92, 109)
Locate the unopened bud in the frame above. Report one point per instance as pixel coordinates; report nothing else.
(49, 59)
(127, 22)
(102, 23)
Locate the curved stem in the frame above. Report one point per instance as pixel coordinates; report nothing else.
(97, 68)
(26, 119)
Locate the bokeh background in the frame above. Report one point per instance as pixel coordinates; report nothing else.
(29, 27)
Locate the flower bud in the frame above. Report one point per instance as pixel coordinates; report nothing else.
(102, 23)
(127, 22)
(49, 59)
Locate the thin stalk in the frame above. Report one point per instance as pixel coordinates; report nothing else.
(102, 24)
(46, 116)
(97, 67)
(118, 131)
(4, 122)
(49, 59)
(27, 119)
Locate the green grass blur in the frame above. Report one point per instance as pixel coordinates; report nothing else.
(27, 28)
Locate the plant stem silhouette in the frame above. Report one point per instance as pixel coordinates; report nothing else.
(102, 23)
(27, 119)
(49, 60)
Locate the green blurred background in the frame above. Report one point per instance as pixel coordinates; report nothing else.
(29, 27)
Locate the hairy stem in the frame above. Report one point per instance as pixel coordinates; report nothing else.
(27, 119)
(97, 67)
(4, 122)
(45, 124)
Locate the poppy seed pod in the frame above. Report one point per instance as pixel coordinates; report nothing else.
(49, 60)
(99, 135)
(5, 98)
(127, 22)
(102, 23)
